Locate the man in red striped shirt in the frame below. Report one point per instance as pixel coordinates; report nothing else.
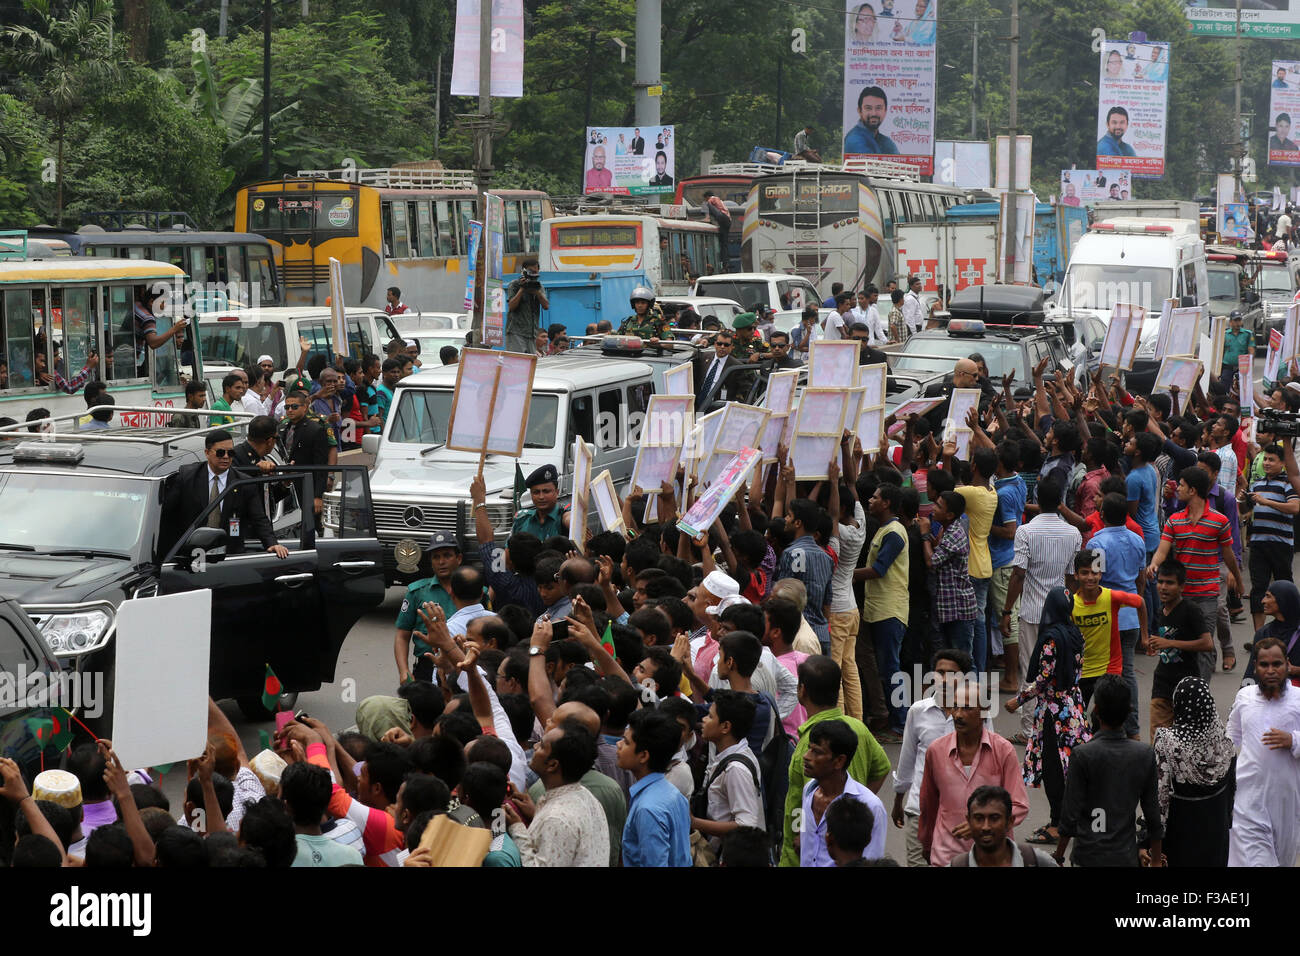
(1199, 537)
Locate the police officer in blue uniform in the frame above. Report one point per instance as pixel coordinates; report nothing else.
(445, 557)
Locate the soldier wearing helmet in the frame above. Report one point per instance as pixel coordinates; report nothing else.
(646, 319)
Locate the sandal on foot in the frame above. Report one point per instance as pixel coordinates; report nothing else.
(1229, 661)
(1044, 835)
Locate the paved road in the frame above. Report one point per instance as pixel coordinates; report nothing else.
(366, 667)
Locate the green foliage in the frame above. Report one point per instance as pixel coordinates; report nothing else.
(21, 135)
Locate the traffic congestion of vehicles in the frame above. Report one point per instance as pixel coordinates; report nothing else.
(261, 299)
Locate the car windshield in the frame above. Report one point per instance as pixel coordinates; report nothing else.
(748, 294)
(237, 344)
(422, 415)
(1002, 357)
(1274, 279)
(1103, 287)
(71, 512)
(1223, 284)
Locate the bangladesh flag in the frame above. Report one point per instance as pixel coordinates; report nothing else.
(53, 730)
(607, 639)
(271, 691)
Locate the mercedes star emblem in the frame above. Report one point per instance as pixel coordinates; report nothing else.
(413, 517)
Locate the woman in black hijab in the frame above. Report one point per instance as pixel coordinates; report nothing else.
(1281, 604)
(1060, 724)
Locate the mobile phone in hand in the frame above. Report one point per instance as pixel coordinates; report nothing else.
(559, 630)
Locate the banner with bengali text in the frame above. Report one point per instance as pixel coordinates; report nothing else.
(1132, 107)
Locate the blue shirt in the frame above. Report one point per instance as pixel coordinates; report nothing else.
(1110, 146)
(508, 587)
(862, 140)
(1125, 558)
(1143, 485)
(1012, 494)
(812, 839)
(658, 827)
(815, 569)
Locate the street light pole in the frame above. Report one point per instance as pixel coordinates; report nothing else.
(1012, 223)
(266, 89)
(649, 20)
(974, 74)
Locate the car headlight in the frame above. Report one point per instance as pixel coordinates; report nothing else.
(76, 632)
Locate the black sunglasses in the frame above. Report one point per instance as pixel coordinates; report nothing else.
(223, 452)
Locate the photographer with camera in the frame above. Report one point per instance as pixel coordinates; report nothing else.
(525, 299)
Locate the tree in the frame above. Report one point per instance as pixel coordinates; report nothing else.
(66, 57)
(20, 162)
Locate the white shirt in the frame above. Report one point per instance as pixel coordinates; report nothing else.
(258, 406)
(850, 541)
(733, 797)
(1227, 470)
(221, 480)
(913, 311)
(833, 327)
(1045, 548)
(248, 790)
(876, 326)
(569, 829)
(501, 724)
(1283, 223)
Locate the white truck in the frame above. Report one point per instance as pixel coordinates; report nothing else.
(954, 255)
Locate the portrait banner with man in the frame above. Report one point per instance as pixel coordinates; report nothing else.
(1133, 107)
(629, 160)
(889, 80)
(1283, 108)
(1088, 186)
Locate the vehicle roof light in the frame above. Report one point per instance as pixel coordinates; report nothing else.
(966, 327)
(621, 343)
(49, 451)
(1160, 228)
(227, 318)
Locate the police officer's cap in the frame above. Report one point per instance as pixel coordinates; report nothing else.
(443, 539)
(544, 475)
(745, 320)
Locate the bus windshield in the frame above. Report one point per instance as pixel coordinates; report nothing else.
(1105, 286)
(422, 415)
(237, 344)
(737, 193)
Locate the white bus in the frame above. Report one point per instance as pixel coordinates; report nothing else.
(55, 313)
(836, 224)
(673, 252)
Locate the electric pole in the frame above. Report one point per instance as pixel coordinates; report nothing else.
(266, 89)
(648, 29)
(1012, 222)
(483, 122)
(974, 74)
(1238, 149)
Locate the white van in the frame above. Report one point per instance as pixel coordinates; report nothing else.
(241, 336)
(1138, 262)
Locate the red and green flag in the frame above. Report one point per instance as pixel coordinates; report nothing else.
(54, 730)
(271, 691)
(607, 639)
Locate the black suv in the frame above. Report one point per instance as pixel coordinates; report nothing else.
(82, 530)
(934, 352)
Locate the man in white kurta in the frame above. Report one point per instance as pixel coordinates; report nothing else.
(1265, 726)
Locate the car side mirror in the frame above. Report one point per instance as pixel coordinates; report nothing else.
(370, 444)
(202, 542)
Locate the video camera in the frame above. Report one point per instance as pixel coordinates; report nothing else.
(528, 279)
(1280, 424)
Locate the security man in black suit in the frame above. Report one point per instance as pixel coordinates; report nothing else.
(197, 485)
(252, 455)
(303, 440)
(712, 371)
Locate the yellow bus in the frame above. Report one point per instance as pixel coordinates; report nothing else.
(407, 228)
(55, 313)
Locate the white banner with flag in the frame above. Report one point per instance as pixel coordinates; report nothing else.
(507, 48)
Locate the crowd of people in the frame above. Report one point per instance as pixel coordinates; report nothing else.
(650, 698)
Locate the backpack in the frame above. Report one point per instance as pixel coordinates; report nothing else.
(700, 798)
(774, 768)
(1026, 854)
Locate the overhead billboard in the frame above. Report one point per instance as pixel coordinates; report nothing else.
(1087, 186)
(1270, 19)
(889, 80)
(1132, 107)
(629, 160)
(1283, 111)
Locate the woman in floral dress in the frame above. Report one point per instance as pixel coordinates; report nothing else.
(1060, 724)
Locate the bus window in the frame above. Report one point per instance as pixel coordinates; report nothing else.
(119, 332)
(214, 264)
(19, 339)
(261, 277)
(401, 233)
(514, 237)
(386, 213)
(74, 307)
(194, 264)
(235, 271)
(446, 229)
(670, 255)
(136, 252)
(710, 261)
(166, 368)
(611, 401)
(425, 217)
(581, 419)
(467, 211)
(886, 198)
(534, 225)
(175, 255)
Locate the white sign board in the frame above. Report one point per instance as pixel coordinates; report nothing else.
(160, 693)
